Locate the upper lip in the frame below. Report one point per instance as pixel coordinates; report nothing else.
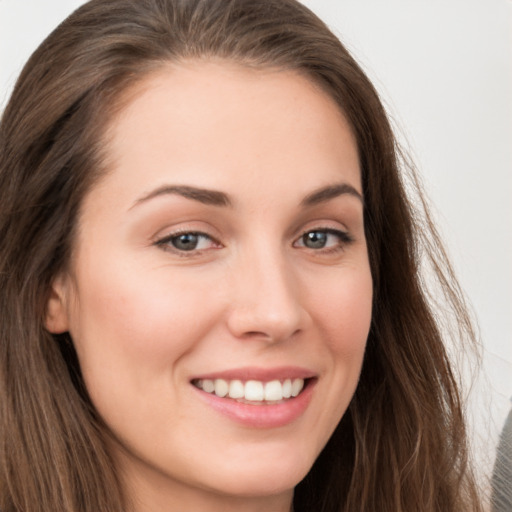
(258, 373)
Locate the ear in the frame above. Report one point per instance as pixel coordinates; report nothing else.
(56, 318)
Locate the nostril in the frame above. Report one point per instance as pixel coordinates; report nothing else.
(271, 335)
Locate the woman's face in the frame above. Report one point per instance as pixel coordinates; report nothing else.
(223, 252)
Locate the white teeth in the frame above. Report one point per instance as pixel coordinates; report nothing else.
(297, 386)
(236, 389)
(252, 390)
(208, 386)
(287, 388)
(273, 391)
(221, 387)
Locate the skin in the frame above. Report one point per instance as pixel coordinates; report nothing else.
(146, 317)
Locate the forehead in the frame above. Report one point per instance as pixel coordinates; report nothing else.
(218, 121)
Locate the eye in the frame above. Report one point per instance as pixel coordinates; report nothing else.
(188, 241)
(324, 239)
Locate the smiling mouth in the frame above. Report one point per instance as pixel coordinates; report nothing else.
(253, 392)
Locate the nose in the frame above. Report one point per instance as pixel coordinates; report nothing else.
(266, 301)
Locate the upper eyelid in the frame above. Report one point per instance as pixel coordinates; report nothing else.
(185, 228)
(333, 231)
(327, 226)
(175, 234)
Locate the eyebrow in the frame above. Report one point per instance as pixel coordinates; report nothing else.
(217, 198)
(202, 195)
(330, 192)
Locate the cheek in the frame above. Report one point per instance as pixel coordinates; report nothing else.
(342, 311)
(346, 310)
(130, 328)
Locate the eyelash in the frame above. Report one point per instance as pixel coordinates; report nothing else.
(344, 239)
(166, 243)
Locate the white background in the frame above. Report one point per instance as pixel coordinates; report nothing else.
(444, 69)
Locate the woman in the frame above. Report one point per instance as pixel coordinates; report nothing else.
(211, 296)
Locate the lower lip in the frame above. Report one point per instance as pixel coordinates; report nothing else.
(261, 416)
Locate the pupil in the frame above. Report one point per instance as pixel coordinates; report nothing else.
(186, 242)
(315, 239)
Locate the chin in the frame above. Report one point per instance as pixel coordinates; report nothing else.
(262, 477)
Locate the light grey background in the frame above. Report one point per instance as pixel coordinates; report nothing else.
(444, 69)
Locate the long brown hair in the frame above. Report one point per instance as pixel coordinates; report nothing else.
(401, 446)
